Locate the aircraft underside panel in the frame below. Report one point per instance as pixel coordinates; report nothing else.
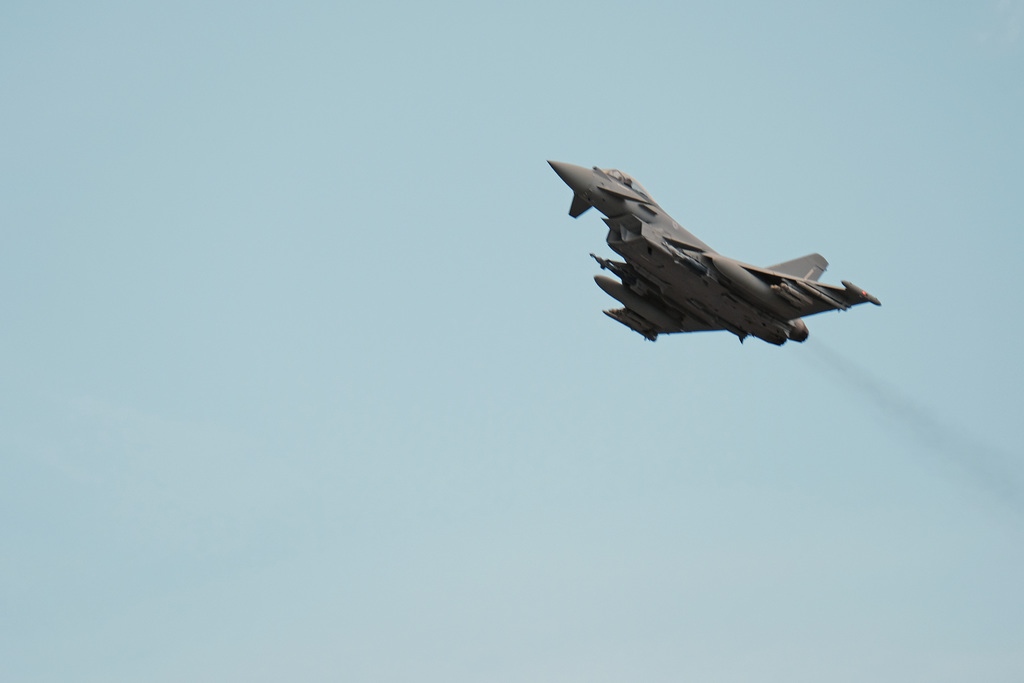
(699, 301)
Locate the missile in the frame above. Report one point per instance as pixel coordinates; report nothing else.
(791, 295)
(686, 257)
(642, 307)
(819, 294)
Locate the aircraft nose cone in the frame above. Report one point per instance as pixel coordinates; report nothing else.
(574, 176)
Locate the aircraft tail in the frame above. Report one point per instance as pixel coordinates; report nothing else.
(809, 267)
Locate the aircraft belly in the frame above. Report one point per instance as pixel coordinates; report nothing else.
(696, 295)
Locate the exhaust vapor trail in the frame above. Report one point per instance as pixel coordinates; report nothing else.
(990, 468)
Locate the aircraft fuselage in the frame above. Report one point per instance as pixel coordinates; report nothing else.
(671, 281)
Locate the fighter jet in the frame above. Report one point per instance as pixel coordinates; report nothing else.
(670, 281)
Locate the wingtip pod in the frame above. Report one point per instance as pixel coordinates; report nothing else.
(859, 294)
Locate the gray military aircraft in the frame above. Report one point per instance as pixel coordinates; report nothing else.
(672, 282)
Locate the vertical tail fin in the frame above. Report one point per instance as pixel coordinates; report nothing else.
(809, 267)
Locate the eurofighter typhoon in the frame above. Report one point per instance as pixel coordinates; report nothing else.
(672, 282)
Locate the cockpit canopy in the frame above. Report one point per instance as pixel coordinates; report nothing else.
(626, 180)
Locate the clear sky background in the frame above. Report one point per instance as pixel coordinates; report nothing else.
(304, 374)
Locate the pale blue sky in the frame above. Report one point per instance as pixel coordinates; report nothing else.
(305, 375)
